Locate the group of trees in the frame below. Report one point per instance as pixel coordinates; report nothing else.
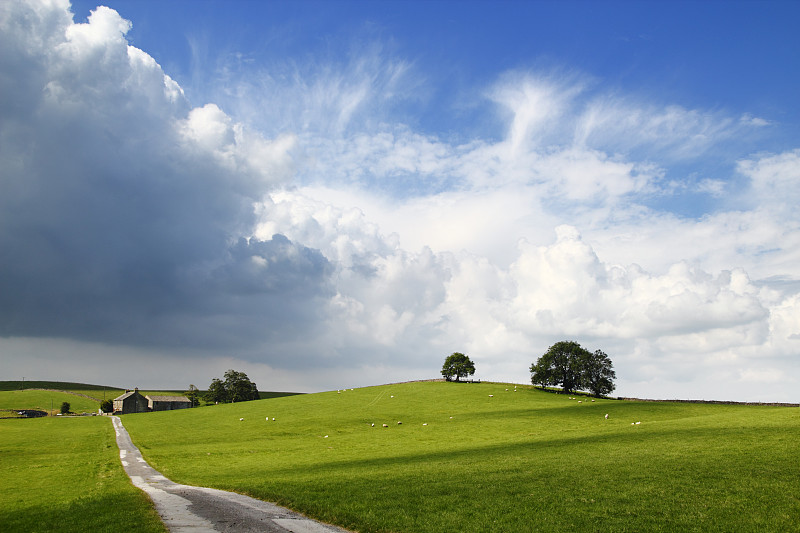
(566, 364)
(236, 387)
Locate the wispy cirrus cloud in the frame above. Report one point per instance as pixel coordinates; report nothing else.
(304, 219)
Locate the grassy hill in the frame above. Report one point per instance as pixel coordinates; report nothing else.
(487, 457)
(82, 397)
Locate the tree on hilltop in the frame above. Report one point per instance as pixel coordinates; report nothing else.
(598, 373)
(457, 365)
(569, 365)
(237, 387)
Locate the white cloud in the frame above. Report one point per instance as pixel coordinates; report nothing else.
(354, 243)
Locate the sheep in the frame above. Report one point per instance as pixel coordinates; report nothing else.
(373, 424)
(241, 419)
(424, 423)
(637, 423)
(386, 425)
(399, 423)
(491, 396)
(606, 416)
(580, 401)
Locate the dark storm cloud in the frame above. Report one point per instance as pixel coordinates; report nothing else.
(122, 209)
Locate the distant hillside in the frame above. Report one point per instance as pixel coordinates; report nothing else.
(58, 385)
(97, 392)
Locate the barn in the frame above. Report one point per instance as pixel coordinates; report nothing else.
(167, 403)
(130, 402)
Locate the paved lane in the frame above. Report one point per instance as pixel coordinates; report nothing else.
(185, 508)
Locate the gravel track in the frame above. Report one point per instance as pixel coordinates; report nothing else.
(184, 508)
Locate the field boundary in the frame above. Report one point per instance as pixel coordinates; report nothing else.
(714, 402)
(69, 392)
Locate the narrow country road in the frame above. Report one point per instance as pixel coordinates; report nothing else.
(185, 508)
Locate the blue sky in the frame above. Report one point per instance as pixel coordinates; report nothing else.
(336, 194)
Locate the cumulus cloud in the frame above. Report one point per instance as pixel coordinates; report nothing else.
(327, 233)
(124, 208)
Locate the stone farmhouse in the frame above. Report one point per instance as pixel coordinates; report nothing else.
(134, 402)
(130, 402)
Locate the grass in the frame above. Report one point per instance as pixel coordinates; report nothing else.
(516, 461)
(64, 474)
(95, 392)
(43, 400)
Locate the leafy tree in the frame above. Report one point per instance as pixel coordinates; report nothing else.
(571, 366)
(193, 395)
(459, 365)
(237, 387)
(216, 392)
(560, 365)
(107, 406)
(598, 373)
(65, 407)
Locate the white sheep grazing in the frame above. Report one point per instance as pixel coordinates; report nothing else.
(580, 401)
(592, 400)
(425, 424)
(398, 422)
(241, 419)
(386, 425)
(491, 396)
(267, 419)
(637, 423)
(606, 416)
(373, 424)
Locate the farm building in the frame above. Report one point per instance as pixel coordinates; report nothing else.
(130, 402)
(167, 403)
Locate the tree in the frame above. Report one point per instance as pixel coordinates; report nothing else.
(216, 392)
(107, 406)
(459, 365)
(560, 365)
(237, 387)
(573, 367)
(65, 407)
(193, 395)
(598, 373)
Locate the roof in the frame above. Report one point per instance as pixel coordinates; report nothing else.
(127, 394)
(168, 398)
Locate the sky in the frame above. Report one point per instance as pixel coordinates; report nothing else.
(329, 194)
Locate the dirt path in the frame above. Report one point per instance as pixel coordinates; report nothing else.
(185, 508)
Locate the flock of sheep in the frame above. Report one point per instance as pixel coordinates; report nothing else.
(425, 424)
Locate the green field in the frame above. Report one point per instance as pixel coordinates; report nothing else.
(64, 474)
(479, 457)
(82, 397)
(44, 400)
